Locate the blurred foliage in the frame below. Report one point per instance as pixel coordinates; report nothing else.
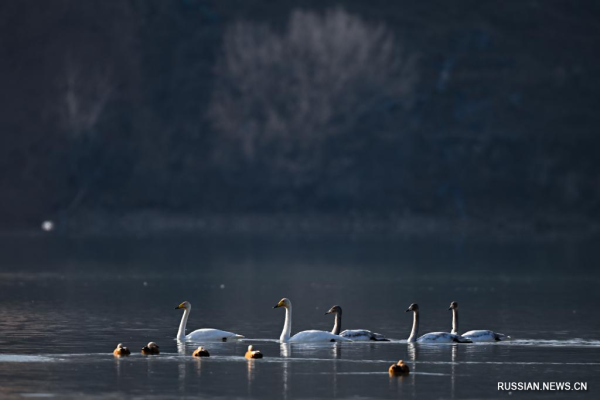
(466, 109)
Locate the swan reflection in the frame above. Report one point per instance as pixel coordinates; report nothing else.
(286, 353)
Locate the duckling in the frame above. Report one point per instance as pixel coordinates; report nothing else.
(253, 353)
(399, 369)
(201, 352)
(150, 349)
(121, 351)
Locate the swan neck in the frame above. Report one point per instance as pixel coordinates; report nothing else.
(455, 321)
(337, 327)
(415, 328)
(287, 325)
(182, 325)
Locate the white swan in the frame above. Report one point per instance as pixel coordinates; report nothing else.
(354, 334)
(311, 336)
(201, 335)
(477, 335)
(433, 337)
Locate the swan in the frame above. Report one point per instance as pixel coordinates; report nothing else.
(121, 351)
(399, 369)
(433, 337)
(253, 353)
(477, 335)
(206, 334)
(311, 336)
(150, 349)
(354, 334)
(201, 352)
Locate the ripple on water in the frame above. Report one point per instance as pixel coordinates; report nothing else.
(575, 342)
(25, 358)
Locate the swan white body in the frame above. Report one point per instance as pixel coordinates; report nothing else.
(202, 335)
(314, 336)
(311, 336)
(476, 335)
(433, 337)
(439, 337)
(357, 335)
(484, 336)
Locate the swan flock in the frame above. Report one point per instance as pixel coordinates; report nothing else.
(337, 335)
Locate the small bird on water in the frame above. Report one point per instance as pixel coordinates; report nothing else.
(399, 369)
(201, 352)
(150, 349)
(253, 353)
(121, 351)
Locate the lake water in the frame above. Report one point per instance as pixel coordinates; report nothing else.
(65, 303)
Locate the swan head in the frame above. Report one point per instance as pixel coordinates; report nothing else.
(286, 303)
(185, 305)
(413, 307)
(453, 306)
(334, 310)
(250, 348)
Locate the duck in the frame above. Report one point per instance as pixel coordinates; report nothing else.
(121, 351)
(399, 369)
(311, 336)
(150, 349)
(433, 337)
(201, 335)
(201, 352)
(354, 334)
(475, 335)
(253, 353)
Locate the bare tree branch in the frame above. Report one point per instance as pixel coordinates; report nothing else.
(279, 96)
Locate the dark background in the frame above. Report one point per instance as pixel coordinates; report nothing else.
(483, 113)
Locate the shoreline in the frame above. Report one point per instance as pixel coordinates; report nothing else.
(152, 223)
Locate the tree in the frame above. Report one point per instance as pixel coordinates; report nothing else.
(281, 97)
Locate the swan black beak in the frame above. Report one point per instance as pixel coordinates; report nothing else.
(276, 306)
(407, 310)
(449, 308)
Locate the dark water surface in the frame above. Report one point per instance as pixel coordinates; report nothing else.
(65, 303)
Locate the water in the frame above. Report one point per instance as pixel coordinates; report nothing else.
(65, 303)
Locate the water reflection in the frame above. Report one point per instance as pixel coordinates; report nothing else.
(198, 366)
(285, 350)
(453, 370)
(181, 367)
(336, 353)
(118, 367)
(412, 353)
(286, 353)
(181, 348)
(250, 374)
